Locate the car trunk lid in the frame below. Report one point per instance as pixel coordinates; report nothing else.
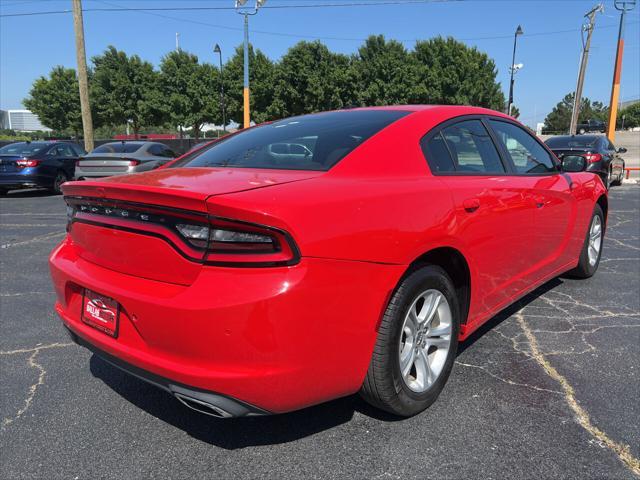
(8, 163)
(127, 223)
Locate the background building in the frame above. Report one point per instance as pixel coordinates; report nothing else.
(21, 121)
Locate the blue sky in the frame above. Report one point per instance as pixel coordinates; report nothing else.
(30, 46)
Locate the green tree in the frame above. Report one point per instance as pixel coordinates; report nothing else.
(631, 116)
(310, 78)
(385, 73)
(126, 89)
(515, 111)
(261, 71)
(190, 90)
(452, 73)
(56, 100)
(559, 118)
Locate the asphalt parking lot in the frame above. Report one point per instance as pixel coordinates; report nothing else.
(547, 389)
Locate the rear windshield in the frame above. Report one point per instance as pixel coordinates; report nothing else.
(572, 142)
(117, 148)
(309, 142)
(23, 149)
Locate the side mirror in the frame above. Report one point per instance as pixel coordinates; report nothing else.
(622, 150)
(573, 163)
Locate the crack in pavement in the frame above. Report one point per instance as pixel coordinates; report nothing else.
(581, 415)
(20, 294)
(39, 238)
(31, 361)
(506, 380)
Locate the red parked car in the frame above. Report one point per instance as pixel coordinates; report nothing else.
(322, 255)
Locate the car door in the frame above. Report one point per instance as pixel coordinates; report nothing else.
(68, 158)
(535, 168)
(494, 217)
(52, 162)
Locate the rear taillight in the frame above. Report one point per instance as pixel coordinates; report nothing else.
(593, 157)
(197, 236)
(227, 242)
(26, 163)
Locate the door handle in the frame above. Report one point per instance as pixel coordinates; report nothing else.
(471, 204)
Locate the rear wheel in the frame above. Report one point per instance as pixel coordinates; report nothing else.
(592, 248)
(416, 345)
(620, 177)
(61, 177)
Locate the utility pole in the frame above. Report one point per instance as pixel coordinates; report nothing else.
(623, 7)
(83, 82)
(246, 11)
(589, 27)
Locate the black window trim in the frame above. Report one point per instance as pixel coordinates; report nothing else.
(505, 158)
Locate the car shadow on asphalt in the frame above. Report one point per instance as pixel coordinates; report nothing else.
(238, 433)
(30, 193)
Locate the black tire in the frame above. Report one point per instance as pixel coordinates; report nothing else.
(384, 386)
(619, 178)
(585, 269)
(61, 177)
(3, 192)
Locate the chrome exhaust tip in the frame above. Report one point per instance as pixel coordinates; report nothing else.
(202, 407)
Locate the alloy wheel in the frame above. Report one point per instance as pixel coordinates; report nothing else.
(595, 240)
(425, 340)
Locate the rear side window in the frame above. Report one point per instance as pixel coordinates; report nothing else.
(309, 142)
(464, 147)
(527, 155)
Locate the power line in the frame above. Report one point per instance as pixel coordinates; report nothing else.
(272, 7)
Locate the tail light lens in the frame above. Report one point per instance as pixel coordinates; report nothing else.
(200, 238)
(226, 242)
(593, 157)
(26, 163)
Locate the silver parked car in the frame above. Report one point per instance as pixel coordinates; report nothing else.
(118, 158)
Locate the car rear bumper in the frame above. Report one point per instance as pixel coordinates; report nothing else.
(209, 403)
(19, 180)
(276, 339)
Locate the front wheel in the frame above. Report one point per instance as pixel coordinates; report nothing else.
(592, 248)
(416, 345)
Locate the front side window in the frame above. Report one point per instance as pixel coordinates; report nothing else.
(309, 142)
(527, 155)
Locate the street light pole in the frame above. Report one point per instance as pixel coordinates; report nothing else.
(246, 12)
(623, 7)
(513, 68)
(218, 50)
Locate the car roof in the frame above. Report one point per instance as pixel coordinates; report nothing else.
(581, 137)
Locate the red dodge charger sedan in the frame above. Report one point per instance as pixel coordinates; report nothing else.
(322, 255)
